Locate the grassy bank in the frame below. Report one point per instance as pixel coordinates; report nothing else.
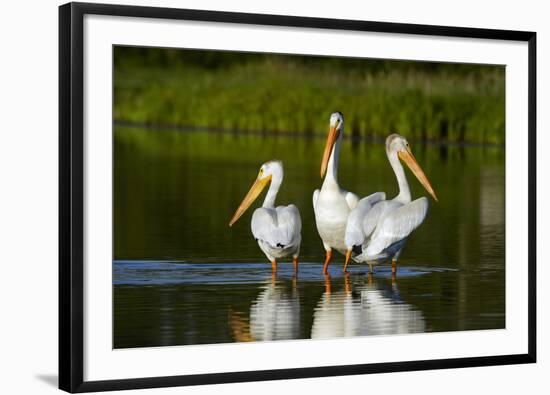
(424, 101)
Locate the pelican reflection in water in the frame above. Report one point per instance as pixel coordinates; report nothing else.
(274, 314)
(368, 308)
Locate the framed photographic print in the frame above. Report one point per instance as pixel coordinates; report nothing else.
(251, 197)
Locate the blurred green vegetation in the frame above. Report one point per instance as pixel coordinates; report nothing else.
(296, 94)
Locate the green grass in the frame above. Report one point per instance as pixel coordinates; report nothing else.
(278, 93)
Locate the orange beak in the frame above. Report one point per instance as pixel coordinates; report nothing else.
(410, 161)
(333, 134)
(252, 194)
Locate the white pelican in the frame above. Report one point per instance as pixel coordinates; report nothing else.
(378, 231)
(276, 229)
(332, 204)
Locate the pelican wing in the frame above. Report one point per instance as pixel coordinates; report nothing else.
(290, 224)
(354, 228)
(374, 216)
(397, 225)
(315, 196)
(279, 227)
(352, 199)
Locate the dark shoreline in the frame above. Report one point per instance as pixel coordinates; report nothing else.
(306, 135)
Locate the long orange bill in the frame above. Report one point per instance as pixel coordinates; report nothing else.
(252, 194)
(348, 255)
(331, 139)
(408, 158)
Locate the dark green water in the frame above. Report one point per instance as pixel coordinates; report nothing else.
(182, 276)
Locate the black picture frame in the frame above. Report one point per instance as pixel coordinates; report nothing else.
(71, 195)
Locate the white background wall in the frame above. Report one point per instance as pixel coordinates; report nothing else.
(28, 194)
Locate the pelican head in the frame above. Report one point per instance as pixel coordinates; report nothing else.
(268, 171)
(398, 145)
(336, 127)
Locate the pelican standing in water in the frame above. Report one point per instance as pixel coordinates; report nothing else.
(378, 231)
(332, 204)
(276, 229)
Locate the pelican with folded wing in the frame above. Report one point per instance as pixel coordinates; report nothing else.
(331, 204)
(276, 229)
(378, 229)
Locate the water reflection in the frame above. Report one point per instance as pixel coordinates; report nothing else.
(274, 314)
(174, 303)
(354, 305)
(362, 308)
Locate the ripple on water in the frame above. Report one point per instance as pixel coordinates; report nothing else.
(167, 273)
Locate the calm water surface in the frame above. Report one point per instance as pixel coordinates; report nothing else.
(182, 276)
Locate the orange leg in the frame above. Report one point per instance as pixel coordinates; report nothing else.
(327, 261)
(393, 266)
(348, 255)
(274, 266)
(295, 262)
